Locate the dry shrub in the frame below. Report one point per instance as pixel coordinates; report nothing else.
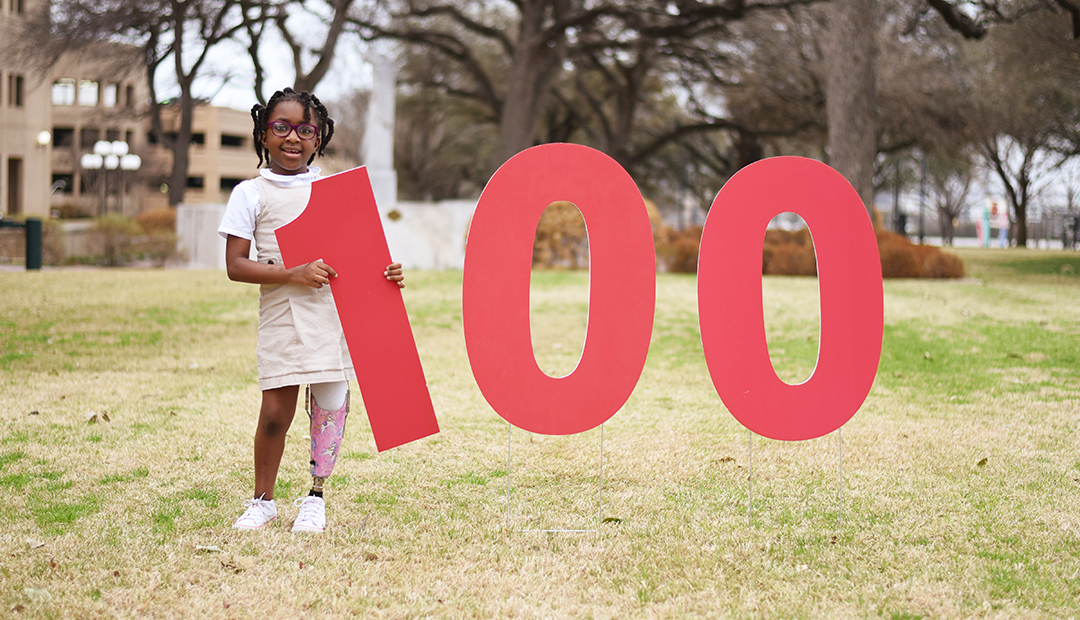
(159, 243)
(116, 235)
(561, 239)
(901, 258)
(677, 250)
(943, 265)
(788, 253)
(161, 219)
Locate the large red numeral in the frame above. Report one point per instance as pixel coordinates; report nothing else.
(622, 289)
(342, 226)
(729, 298)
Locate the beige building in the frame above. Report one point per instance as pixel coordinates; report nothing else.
(24, 117)
(222, 154)
(49, 123)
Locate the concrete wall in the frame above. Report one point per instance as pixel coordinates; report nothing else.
(420, 235)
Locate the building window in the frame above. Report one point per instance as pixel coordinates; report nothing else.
(88, 93)
(109, 95)
(232, 141)
(129, 96)
(196, 182)
(227, 184)
(14, 186)
(63, 91)
(15, 90)
(87, 137)
(112, 135)
(16, 7)
(63, 136)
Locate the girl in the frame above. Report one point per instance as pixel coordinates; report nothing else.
(300, 336)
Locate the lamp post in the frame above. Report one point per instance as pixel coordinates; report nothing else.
(111, 156)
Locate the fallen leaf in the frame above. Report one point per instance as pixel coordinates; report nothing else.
(17, 608)
(981, 462)
(34, 544)
(370, 557)
(611, 520)
(212, 548)
(91, 417)
(35, 412)
(105, 417)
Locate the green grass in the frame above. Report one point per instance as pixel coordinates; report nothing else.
(957, 494)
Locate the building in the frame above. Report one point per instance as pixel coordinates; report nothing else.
(50, 119)
(222, 154)
(25, 121)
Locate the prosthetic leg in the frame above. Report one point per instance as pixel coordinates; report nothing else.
(327, 430)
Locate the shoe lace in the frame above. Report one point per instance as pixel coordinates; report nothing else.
(306, 507)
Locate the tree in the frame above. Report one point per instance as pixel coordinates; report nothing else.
(174, 36)
(259, 15)
(1028, 107)
(850, 93)
(950, 179)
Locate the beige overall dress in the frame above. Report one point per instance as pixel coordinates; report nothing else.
(300, 336)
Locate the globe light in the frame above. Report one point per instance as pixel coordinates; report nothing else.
(92, 161)
(130, 162)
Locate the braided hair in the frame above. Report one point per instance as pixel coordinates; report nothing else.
(261, 113)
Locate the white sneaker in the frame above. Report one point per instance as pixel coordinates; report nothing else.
(312, 515)
(259, 512)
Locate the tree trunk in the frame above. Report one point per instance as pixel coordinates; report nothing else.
(849, 93)
(537, 59)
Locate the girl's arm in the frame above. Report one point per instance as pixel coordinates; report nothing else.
(242, 269)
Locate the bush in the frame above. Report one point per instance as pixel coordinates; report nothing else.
(561, 239)
(788, 253)
(159, 220)
(115, 235)
(900, 258)
(677, 250)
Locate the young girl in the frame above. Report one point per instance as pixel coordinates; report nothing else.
(300, 335)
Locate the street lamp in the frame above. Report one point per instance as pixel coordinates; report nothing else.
(111, 156)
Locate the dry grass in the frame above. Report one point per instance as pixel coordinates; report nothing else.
(959, 476)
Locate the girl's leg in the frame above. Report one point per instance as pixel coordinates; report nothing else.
(328, 408)
(275, 417)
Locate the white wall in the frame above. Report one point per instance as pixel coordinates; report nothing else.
(425, 236)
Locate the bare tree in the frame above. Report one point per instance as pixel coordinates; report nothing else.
(311, 61)
(174, 36)
(950, 180)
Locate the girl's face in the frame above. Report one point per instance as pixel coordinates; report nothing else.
(289, 155)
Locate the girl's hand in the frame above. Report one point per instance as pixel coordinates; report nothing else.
(314, 274)
(393, 273)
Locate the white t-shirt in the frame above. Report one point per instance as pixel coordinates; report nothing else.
(242, 209)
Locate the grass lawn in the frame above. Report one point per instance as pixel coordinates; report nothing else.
(953, 493)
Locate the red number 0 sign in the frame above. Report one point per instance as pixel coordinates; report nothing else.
(849, 285)
(622, 289)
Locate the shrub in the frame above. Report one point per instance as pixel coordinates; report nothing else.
(115, 235)
(161, 219)
(677, 250)
(561, 239)
(900, 258)
(789, 253)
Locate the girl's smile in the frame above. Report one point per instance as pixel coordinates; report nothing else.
(289, 155)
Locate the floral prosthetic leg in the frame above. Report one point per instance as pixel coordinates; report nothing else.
(327, 430)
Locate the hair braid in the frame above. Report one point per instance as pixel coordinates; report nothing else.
(260, 114)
